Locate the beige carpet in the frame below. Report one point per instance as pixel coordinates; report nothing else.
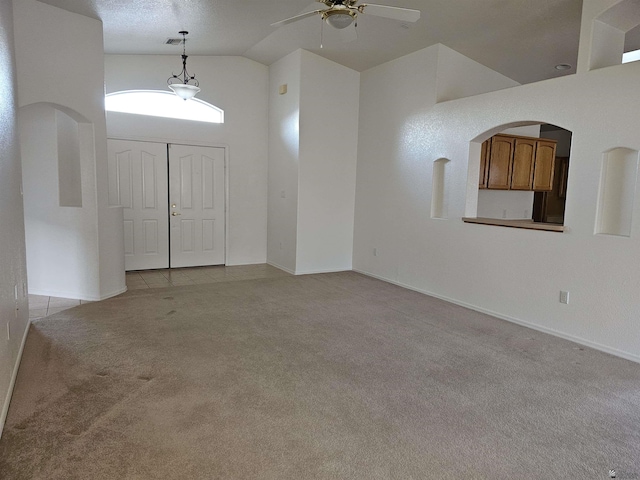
(334, 376)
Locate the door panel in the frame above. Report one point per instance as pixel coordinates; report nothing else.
(196, 179)
(138, 182)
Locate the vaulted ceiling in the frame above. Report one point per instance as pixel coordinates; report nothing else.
(522, 39)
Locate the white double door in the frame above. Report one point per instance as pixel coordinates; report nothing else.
(173, 200)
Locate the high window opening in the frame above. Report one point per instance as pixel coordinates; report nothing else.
(615, 36)
(632, 45)
(158, 103)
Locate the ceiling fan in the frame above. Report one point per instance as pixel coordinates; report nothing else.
(342, 13)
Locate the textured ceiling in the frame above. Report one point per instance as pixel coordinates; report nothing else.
(522, 39)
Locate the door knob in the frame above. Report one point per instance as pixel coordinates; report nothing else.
(174, 214)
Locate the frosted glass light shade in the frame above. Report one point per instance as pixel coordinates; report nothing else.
(184, 91)
(340, 20)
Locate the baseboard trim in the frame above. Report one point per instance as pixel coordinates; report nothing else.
(249, 262)
(288, 270)
(75, 296)
(582, 341)
(109, 295)
(329, 270)
(14, 375)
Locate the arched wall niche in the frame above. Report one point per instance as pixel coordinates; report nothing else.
(440, 189)
(512, 204)
(78, 117)
(617, 192)
(70, 138)
(60, 206)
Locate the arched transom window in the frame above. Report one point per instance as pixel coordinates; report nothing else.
(158, 103)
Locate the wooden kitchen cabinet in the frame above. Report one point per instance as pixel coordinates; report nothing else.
(523, 159)
(500, 162)
(517, 163)
(544, 166)
(484, 164)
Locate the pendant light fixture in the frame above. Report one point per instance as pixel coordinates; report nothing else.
(184, 85)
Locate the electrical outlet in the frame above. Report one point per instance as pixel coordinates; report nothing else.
(375, 252)
(504, 213)
(564, 297)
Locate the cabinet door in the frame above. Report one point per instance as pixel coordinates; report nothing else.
(544, 166)
(522, 170)
(500, 161)
(484, 164)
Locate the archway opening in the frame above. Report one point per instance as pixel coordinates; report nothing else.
(522, 174)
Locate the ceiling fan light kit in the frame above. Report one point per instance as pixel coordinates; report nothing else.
(339, 18)
(186, 87)
(342, 13)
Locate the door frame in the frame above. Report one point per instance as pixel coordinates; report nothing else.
(196, 143)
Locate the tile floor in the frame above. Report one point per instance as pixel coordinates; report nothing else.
(42, 306)
(199, 275)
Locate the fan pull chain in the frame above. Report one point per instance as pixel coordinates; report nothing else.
(321, 34)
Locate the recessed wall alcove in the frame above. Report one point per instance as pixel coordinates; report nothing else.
(616, 196)
(439, 191)
(69, 169)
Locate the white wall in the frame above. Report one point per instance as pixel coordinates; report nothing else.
(14, 313)
(284, 161)
(509, 204)
(52, 47)
(238, 86)
(514, 274)
(329, 101)
(392, 136)
(312, 164)
(62, 241)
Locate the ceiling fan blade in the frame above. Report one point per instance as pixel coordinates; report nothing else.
(397, 13)
(295, 19)
(346, 35)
